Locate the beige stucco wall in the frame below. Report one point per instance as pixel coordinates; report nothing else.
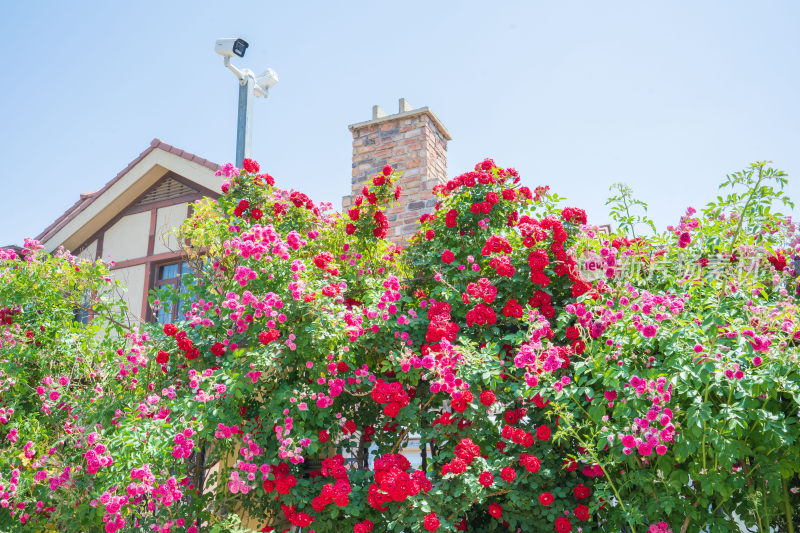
(133, 279)
(167, 219)
(89, 252)
(127, 239)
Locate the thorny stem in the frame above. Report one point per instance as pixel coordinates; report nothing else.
(787, 508)
(123, 326)
(744, 210)
(628, 215)
(685, 525)
(590, 449)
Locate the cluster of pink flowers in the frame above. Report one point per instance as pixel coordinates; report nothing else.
(646, 436)
(183, 444)
(95, 460)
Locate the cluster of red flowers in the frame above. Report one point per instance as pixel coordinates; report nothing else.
(502, 264)
(481, 315)
(450, 219)
(531, 463)
(482, 290)
(337, 492)
(251, 166)
(243, 206)
(512, 309)
(778, 261)
(495, 244)
(440, 326)
(185, 344)
(381, 225)
(541, 300)
(301, 200)
(363, 527)
(518, 436)
(323, 259)
(380, 183)
(7, 314)
(466, 451)
(461, 400)
(298, 519)
(282, 481)
(393, 483)
(391, 394)
(268, 336)
(574, 215)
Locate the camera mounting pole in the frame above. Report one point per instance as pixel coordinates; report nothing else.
(249, 87)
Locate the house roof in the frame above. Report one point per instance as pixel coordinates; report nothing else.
(59, 232)
(87, 199)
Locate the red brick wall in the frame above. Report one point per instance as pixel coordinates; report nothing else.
(413, 142)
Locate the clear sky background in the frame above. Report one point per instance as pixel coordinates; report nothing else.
(665, 96)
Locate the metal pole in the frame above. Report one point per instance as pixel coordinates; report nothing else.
(244, 132)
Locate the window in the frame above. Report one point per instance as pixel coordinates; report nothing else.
(171, 275)
(82, 312)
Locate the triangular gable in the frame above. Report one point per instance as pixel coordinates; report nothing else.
(167, 190)
(162, 171)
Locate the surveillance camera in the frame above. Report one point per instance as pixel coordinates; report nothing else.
(267, 79)
(231, 47)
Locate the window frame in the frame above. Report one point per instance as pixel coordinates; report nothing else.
(175, 281)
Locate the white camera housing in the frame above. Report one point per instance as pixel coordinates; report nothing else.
(231, 47)
(267, 79)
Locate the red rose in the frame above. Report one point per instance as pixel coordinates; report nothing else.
(387, 170)
(450, 218)
(543, 433)
(391, 409)
(250, 166)
(162, 357)
(324, 435)
(546, 498)
(486, 479)
(170, 330)
(581, 491)
(431, 522)
(487, 398)
(267, 337)
(496, 510)
(350, 229)
(508, 474)
(563, 525)
(582, 512)
(218, 349)
(448, 256)
(256, 213)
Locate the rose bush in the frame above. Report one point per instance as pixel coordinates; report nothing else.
(555, 378)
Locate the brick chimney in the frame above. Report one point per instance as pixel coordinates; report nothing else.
(412, 141)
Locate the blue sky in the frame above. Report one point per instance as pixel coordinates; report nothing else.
(665, 96)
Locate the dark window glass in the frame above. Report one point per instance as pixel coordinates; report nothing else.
(170, 275)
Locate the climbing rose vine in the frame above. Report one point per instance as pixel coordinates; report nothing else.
(551, 377)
